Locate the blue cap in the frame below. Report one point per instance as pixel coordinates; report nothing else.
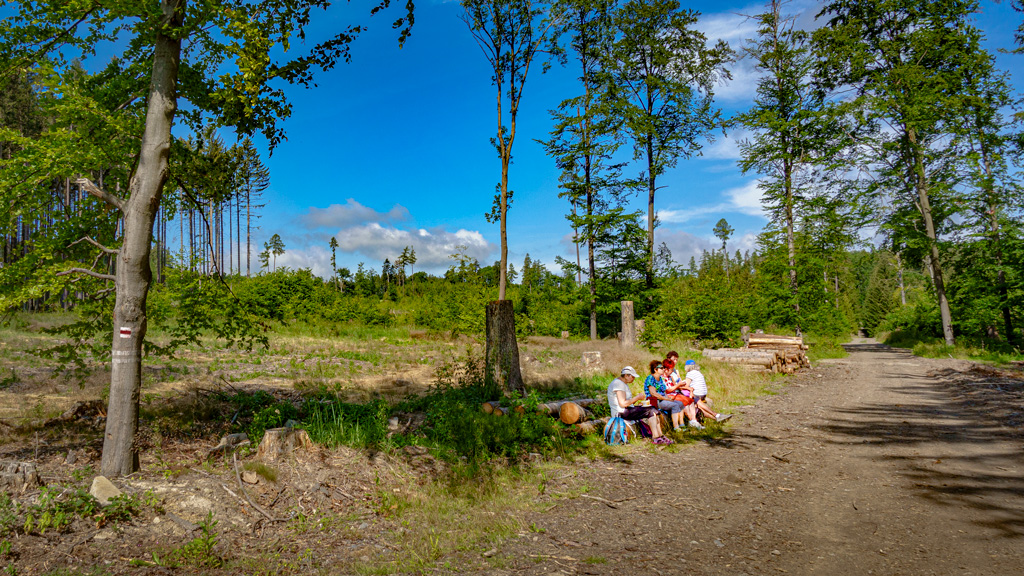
(690, 363)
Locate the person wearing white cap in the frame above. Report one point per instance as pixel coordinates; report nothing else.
(621, 400)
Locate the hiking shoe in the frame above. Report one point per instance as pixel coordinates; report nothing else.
(695, 424)
(722, 417)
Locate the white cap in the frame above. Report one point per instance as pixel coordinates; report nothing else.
(629, 370)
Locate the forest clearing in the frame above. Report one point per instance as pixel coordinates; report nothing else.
(856, 465)
(267, 305)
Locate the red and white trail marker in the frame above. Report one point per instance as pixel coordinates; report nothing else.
(126, 332)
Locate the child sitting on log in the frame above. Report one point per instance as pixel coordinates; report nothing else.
(700, 391)
(621, 400)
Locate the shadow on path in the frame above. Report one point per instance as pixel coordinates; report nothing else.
(954, 436)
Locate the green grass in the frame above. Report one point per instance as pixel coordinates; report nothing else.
(995, 352)
(821, 347)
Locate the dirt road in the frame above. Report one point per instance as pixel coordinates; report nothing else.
(880, 463)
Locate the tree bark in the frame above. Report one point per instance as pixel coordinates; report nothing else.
(502, 354)
(924, 207)
(628, 325)
(133, 273)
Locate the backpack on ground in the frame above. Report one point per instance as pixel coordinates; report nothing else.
(615, 431)
(644, 430)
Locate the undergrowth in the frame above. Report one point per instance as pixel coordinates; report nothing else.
(926, 346)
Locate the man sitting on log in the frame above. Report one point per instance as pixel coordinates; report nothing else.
(700, 390)
(621, 400)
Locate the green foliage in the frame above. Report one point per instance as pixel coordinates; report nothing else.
(198, 553)
(58, 507)
(709, 305)
(331, 422)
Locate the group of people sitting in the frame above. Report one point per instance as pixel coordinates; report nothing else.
(666, 391)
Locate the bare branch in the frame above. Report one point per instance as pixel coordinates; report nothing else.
(96, 244)
(91, 188)
(87, 272)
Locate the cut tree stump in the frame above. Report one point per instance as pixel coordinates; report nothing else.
(502, 351)
(281, 442)
(18, 476)
(628, 339)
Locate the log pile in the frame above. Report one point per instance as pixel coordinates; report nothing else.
(767, 352)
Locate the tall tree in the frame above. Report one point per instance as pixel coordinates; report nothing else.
(584, 137)
(788, 123)
(723, 231)
(994, 192)
(513, 35)
(907, 62)
(276, 248)
(254, 179)
(334, 260)
(662, 74)
(230, 50)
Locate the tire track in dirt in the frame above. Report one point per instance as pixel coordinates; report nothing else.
(879, 463)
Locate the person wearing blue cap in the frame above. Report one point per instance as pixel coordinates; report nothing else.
(700, 389)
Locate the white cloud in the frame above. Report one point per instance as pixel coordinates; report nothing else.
(683, 244)
(726, 147)
(315, 258)
(737, 28)
(373, 243)
(433, 247)
(351, 213)
(744, 199)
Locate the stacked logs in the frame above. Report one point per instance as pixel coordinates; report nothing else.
(768, 352)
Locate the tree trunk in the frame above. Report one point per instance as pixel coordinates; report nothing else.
(502, 355)
(791, 240)
(650, 213)
(924, 206)
(628, 326)
(899, 276)
(133, 273)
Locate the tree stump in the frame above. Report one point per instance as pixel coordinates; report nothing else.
(280, 442)
(17, 476)
(502, 355)
(628, 339)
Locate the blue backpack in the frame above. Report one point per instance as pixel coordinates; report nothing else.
(615, 431)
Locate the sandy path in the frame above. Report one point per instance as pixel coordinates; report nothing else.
(880, 463)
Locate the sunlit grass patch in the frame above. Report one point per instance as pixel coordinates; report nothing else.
(821, 347)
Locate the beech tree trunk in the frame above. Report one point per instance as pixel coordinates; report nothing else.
(133, 273)
(502, 355)
(925, 209)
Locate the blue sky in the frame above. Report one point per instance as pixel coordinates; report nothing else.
(392, 150)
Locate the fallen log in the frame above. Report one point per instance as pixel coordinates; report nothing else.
(572, 413)
(552, 408)
(591, 427)
(774, 339)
